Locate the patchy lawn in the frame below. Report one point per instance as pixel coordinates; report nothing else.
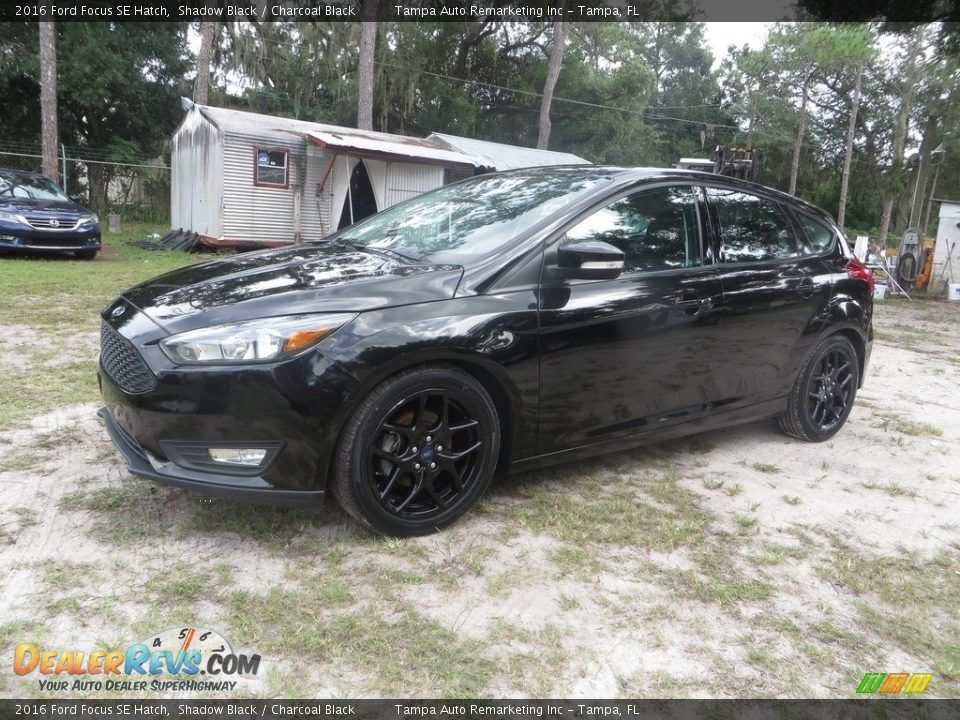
(739, 563)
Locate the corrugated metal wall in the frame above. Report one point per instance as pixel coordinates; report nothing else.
(196, 178)
(407, 180)
(260, 214)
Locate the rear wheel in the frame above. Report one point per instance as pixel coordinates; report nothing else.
(418, 452)
(823, 394)
(85, 254)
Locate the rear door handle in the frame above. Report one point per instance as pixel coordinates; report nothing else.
(689, 302)
(805, 288)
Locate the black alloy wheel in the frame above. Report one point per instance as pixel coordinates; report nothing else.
(823, 394)
(418, 452)
(830, 389)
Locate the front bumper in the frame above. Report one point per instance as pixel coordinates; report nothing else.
(22, 237)
(246, 489)
(165, 418)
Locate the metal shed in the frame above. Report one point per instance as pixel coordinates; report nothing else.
(244, 179)
(250, 180)
(946, 254)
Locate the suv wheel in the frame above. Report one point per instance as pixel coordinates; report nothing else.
(822, 396)
(418, 451)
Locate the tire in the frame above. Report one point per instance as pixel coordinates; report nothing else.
(85, 254)
(823, 393)
(418, 452)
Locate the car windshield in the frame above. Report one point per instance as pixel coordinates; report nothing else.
(29, 187)
(474, 218)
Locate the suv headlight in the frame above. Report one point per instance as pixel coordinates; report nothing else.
(12, 217)
(254, 341)
(89, 220)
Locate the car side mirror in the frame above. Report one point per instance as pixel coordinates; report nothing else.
(76, 198)
(589, 260)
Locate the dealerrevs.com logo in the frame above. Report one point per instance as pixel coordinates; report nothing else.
(188, 659)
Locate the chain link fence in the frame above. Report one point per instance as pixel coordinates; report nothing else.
(135, 192)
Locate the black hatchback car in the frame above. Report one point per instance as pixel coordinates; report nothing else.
(506, 322)
(36, 215)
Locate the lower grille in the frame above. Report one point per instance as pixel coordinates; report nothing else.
(57, 242)
(120, 360)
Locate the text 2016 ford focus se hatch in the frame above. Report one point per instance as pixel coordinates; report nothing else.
(507, 321)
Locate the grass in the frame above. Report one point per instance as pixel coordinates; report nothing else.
(126, 513)
(907, 601)
(392, 648)
(581, 504)
(18, 460)
(64, 297)
(766, 468)
(913, 428)
(891, 488)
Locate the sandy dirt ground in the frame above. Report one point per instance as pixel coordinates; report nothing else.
(739, 563)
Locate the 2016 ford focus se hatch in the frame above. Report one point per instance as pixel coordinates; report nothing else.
(505, 322)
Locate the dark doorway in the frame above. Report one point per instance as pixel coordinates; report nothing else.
(361, 193)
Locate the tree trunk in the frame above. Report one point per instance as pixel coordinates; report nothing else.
(368, 46)
(795, 165)
(48, 100)
(553, 72)
(753, 118)
(900, 136)
(201, 87)
(848, 152)
(923, 167)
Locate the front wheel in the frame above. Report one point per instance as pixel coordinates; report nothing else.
(822, 396)
(418, 451)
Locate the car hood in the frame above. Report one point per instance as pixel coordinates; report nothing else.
(289, 281)
(20, 205)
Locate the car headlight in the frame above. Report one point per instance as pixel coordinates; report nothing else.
(254, 341)
(12, 217)
(89, 220)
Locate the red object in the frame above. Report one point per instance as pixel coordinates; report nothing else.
(858, 271)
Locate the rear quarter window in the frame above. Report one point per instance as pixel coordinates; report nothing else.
(818, 234)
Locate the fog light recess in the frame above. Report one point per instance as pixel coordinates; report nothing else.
(249, 457)
(224, 458)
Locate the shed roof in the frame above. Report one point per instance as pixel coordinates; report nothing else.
(383, 144)
(506, 157)
(339, 138)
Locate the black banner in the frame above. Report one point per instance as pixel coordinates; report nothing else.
(914, 709)
(474, 10)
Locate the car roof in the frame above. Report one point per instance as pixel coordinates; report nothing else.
(627, 175)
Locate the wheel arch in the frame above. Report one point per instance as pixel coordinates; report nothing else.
(859, 345)
(493, 378)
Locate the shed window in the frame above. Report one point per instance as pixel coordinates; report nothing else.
(271, 167)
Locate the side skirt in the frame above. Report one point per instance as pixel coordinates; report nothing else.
(715, 421)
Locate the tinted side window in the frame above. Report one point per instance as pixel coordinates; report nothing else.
(819, 234)
(752, 228)
(655, 229)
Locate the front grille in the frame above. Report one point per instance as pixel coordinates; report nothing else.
(120, 360)
(44, 222)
